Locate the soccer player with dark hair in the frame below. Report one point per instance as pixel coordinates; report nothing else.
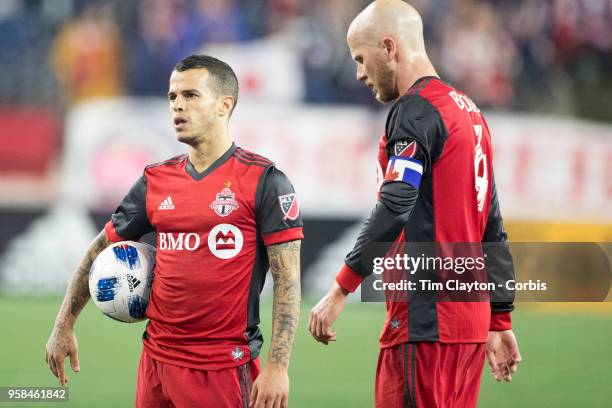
(222, 217)
(436, 185)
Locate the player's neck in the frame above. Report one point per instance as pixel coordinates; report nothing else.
(204, 154)
(410, 75)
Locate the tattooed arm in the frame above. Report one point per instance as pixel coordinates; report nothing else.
(285, 268)
(62, 341)
(272, 385)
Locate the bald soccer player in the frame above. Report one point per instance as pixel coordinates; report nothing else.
(438, 187)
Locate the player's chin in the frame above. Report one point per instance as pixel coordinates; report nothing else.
(183, 136)
(384, 97)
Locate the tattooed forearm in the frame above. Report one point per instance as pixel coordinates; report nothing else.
(285, 268)
(77, 294)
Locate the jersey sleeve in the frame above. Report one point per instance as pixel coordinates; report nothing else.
(499, 264)
(130, 220)
(413, 129)
(277, 209)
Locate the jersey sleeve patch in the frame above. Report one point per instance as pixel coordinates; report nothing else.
(404, 169)
(277, 206)
(405, 148)
(289, 206)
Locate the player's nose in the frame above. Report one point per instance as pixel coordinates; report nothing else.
(177, 105)
(360, 75)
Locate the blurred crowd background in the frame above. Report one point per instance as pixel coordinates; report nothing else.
(83, 109)
(552, 56)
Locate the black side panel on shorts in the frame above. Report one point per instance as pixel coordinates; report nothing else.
(409, 360)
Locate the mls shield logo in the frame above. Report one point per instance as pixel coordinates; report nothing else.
(405, 149)
(225, 203)
(289, 206)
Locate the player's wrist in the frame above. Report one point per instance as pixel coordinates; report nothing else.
(277, 366)
(64, 324)
(338, 291)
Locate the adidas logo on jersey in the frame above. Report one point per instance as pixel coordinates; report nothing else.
(167, 204)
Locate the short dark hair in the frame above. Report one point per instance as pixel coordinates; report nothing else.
(222, 77)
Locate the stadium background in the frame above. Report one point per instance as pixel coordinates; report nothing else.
(82, 109)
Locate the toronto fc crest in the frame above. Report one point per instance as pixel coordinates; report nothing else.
(224, 204)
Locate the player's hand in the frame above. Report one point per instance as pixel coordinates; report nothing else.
(271, 388)
(325, 313)
(503, 354)
(62, 343)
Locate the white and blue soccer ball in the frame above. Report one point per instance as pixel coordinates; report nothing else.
(120, 280)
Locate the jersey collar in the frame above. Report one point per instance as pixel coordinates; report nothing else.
(197, 176)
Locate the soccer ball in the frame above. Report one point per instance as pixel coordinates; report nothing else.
(120, 280)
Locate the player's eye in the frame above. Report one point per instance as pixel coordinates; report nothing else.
(171, 97)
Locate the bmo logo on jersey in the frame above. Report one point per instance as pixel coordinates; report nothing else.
(182, 241)
(225, 241)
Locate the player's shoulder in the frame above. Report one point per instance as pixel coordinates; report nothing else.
(171, 162)
(423, 92)
(414, 110)
(267, 171)
(446, 97)
(416, 100)
(249, 158)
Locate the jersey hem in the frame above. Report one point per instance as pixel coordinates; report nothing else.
(431, 340)
(204, 367)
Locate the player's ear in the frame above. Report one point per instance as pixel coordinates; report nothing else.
(225, 105)
(390, 48)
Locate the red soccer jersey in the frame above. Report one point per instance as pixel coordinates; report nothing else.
(212, 229)
(443, 132)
